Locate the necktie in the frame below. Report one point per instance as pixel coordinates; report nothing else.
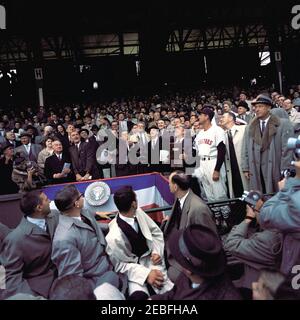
(263, 127)
(237, 184)
(137, 225)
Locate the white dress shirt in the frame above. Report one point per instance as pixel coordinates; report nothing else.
(153, 142)
(131, 222)
(182, 200)
(27, 147)
(266, 122)
(41, 223)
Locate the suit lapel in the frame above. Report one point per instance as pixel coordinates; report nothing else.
(185, 210)
(168, 222)
(51, 224)
(144, 227)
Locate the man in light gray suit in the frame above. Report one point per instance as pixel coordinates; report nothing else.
(28, 150)
(4, 231)
(188, 209)
(79, 244)
(26, 251)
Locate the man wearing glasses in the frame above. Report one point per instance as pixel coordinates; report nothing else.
(79, 244)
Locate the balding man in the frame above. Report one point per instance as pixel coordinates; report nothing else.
(188, 209)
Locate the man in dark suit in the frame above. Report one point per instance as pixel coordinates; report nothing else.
(58, 166)
(93, 144)
(26, 251)
(188, 209)
(155, 146)
(83, 159)
(28, 150)
(202, 259)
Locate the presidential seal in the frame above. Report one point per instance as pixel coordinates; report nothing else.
(97, 193)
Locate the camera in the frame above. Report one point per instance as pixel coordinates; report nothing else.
(294, 144)
(288, 173)
(251, 197)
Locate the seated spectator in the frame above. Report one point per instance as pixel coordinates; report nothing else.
(135, 246)
(45, 153)
(58, 166)
(256, 248)
(27, 175)
(71, 287)
(79, 244)
(26, 251)
(8, 186)
(203, 263)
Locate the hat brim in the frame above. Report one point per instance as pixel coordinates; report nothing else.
(261, 102)
(212, 270)
(26, 135)
(247, 108)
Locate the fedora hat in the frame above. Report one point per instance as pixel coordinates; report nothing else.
(243, 104)
(25, 134)
(6, 146)
(262, 99)
(198, 249)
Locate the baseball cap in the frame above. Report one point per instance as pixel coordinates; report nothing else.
(208, 111)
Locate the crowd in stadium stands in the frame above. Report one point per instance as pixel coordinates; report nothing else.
(226, 142)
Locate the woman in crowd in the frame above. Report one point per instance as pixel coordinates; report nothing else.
(45, 153)
(62, 135)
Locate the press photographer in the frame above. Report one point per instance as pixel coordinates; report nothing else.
(248, 243)
(282, 212)
(27, 174)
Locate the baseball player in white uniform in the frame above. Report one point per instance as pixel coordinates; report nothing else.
(210, 146)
